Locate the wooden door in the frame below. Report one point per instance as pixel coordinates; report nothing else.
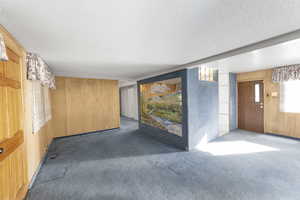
(251, 106)
(13, 173)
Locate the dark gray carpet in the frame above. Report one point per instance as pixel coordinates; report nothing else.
(127, 165)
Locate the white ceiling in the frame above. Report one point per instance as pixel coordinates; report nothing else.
(135, 38)
(286, 53)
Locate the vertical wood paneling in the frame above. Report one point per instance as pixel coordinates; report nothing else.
(36, 144)
(1, 69)
(13, 107)
(12, 177)
(116, 104)
(13, 170)
(12, 69)
(276, 122)
(84, 105)
(3, 114)
(13, 174)
(5, 176)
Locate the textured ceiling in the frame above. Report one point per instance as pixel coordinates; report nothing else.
(135, 38)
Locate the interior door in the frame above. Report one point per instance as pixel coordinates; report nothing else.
(251, 106)
(13, 173)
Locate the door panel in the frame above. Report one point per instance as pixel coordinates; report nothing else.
(4, 176)
(3, 115)
(13, 173)
(1, 69)
(12, 67)
(251, 106)
(13, 106)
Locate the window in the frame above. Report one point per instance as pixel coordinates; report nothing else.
(207, 74)
(257, 92)
(41, 109)
(290, 96)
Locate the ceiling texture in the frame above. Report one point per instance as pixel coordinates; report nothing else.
(128, 40)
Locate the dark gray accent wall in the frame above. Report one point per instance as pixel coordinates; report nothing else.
(161, 135)
(203, 109)
(200, 111)
(232, 101)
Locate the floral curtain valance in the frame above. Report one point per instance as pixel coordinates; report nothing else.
(287, 73)
(3, 55)
(37, 69)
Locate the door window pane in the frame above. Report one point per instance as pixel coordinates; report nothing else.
(257, 92)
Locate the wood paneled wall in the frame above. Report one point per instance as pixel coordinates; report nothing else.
(276, 122)
(13, 166)
(13, 169)
(35, 144)
(84, 105)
